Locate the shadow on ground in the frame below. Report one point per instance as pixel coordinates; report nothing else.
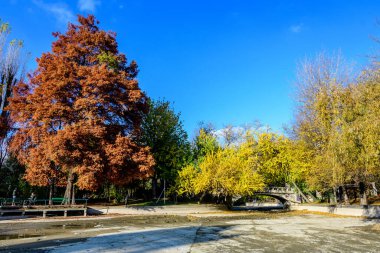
(179, 239)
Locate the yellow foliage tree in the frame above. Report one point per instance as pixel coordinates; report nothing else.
(224, 173)
(280, 160)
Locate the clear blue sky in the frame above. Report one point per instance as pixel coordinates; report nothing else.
(224, 62)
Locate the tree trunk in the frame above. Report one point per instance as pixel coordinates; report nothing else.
(363, 194)
(109, 192)
(73, 195)
(363, 200)
(333, 200)
(345, 196)
(229, 201)
(335, 196)
(51, 194)
(154, 186)
(201, 198)
(69, 186)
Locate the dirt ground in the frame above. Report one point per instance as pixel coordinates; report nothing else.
(277, 231)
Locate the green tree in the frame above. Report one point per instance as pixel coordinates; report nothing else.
(11, 174)
(162, 131)
(204, 143)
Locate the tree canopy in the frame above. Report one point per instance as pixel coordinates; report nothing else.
(337, 120)
(163, 132)
(226, 172)
(79, 114)
(12, 60)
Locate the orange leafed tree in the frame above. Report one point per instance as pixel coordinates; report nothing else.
(79, 114)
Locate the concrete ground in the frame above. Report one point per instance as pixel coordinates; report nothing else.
(213, 231)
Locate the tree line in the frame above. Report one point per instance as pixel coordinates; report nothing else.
(80, 125)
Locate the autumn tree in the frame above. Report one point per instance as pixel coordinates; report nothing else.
(228, 172)
(12, 61)
(319, 117)
(360, 133)
(337, 119)
(162, 131)
(280, 160)
(79, 114)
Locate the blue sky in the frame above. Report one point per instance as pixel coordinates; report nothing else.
(224, 62)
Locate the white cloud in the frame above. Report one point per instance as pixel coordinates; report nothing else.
(237, 133)
(220, 133)
(88, 5)
(60, 11)
(296, 28)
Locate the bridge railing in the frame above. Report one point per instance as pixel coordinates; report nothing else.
(278, 190)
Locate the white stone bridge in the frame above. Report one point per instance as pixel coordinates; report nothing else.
(286, 195)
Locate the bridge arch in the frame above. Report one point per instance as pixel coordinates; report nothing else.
(283, 200)
(286, 195)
